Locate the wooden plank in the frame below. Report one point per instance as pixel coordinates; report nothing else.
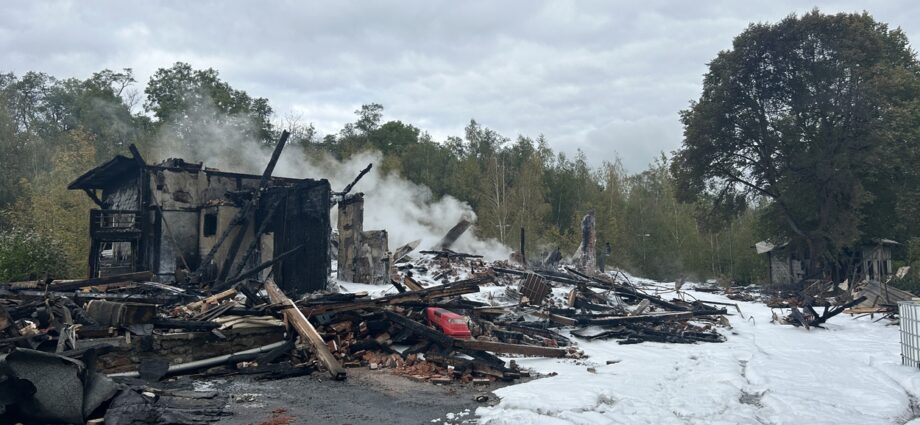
(276, 153)
(662, 317)
(412, 284)
(555, 318)
(198, 305)
(69, 285)
(453, 234)
(86, 296)
(501, 347)
(300, 323)
(643, 305)
(424, 296)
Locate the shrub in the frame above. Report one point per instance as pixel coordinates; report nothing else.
(26, 254)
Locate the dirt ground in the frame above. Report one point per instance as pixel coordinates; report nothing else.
(366, 397)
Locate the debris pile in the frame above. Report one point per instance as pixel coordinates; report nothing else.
(246, 296)
(800, 307)
(449, 318)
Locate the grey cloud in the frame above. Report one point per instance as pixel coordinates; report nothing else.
(605, 77)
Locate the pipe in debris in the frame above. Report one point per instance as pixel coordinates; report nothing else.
(213, 361)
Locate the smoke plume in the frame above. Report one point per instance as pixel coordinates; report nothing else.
(407, 211)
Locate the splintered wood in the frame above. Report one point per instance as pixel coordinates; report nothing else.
(297, 320)
(534, 288)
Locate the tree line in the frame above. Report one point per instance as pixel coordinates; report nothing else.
(52, 130)
(806, 131)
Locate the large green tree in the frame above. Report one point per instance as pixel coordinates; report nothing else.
(194, 106)
(816, 115)
(38, 112)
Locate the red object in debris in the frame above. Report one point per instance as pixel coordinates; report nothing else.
(452, 324)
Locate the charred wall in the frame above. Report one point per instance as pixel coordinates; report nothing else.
(302, 219)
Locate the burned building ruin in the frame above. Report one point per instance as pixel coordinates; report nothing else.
(363, 255)
(186, 222)
(869, 261)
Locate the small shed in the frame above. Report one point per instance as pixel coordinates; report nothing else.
(875, 261)
(785, 266)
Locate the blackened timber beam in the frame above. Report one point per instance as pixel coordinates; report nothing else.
(501, 347)
(234, 248)
(399, 287)
(256, 239)
(555, 318)
(92, 195)
(270, 168)
(424, 296)
(246, 274)
(446, 253)
(645, 318)
(136, 154)
(239, 218)
(453, 234)
(80, 296)
(306, 331)
(523, 253)
(69, 285)
(818, 321)
(351, 185)
(537, 332)
(421, 330)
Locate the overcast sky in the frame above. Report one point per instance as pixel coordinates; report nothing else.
(606, 77)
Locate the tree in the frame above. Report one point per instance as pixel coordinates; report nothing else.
(527, 200)
(51, 211)
(96, 106)
(369, 117)
(807, 114)
(38, 111)
(195, 106)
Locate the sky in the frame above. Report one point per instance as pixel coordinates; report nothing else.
(606, 77)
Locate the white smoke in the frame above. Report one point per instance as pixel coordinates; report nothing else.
(407, 211)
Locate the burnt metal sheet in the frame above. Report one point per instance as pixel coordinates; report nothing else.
(61, 389)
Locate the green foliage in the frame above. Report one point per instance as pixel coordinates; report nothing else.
(195, 105)
(26, 254)
(816, 116)
(806, 128)
(524, 184)
(48, 208)
(510, 183)
(38, 111)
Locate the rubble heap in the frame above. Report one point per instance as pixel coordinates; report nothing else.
(443, 317)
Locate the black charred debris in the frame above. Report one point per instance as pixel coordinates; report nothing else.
(121, 339)
(109, 347)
